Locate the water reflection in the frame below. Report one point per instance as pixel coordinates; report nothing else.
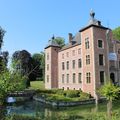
(44, 112)
(38, 109)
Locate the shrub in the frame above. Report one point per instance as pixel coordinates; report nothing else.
(72, 93)
(55, 97)
(84, 96)
(21, 117)
(44, 91)
(58, 91)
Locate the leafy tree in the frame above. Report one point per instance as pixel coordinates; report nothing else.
(116, 33)
(43, 65)
(23, 63)
(60, 41)
(2, 32)
(10, 81)
(111, 92)
(4, 54)
(38, 66)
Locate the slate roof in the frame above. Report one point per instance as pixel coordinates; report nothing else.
(52, 43)
(75, 41)
(93, 22)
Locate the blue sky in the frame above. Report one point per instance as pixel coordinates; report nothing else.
(29, 24)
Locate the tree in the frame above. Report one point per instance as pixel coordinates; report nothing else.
(23, 63)
(60, 41)
(38, 66)
(5, 55)
(36, 62)
(2, 32)
(111, 92)
(116, 33)
(9, 82)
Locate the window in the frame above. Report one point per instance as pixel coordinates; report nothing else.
(118, 51)
(87, 46)
(79, 51)
(47, 56)
(63, 78)
(62, 56)
(87, 59)
(67, 65)
(63, 66)
(73, 77)
(102, 77)
(101, 60)
(88, 77)
(79, 77)
(47, 66)
(73, 64)
(100, 43)
(67, 78)
(47, 78)
(79, 63)
(119, 63)
(67, 54)
(73, 52)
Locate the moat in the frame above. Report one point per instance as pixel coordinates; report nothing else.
(34, 108)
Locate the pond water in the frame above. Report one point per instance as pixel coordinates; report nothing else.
(34, 108)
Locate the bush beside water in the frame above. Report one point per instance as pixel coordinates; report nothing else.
(63, 95)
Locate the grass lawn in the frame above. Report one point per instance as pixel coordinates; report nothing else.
(37, 85)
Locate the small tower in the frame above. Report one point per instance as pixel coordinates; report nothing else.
(95, 50)
(51, 64)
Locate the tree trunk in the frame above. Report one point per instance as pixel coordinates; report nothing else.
(109, 109)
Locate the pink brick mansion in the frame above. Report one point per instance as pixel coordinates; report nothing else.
(90, 58)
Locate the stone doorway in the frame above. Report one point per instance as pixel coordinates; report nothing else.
(112, 77)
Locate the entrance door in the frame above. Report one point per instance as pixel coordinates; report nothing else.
(112, 77)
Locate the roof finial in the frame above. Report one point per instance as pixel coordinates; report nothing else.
(92, 14)
(53, 37)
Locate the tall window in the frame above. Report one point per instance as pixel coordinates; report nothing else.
(62, 56)
(63, 77)
(87, 46)
(67, 65)
(47, 66)
(100, 43)
(119, 64)
(47, 78)
(73, 52)
(67, 78)
(47, 56)
(79, 77)
(73, 64)
(87, 59)
(88, 77)
(73, 77)
(102, 77)
(63, 66)
(101, 59)
(79, 63)
(79, 51)
(67, 54)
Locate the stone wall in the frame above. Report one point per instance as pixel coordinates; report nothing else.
(62, 103)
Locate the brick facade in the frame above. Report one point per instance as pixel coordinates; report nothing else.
(89, 59)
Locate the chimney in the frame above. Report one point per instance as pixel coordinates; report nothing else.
(70, 37)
